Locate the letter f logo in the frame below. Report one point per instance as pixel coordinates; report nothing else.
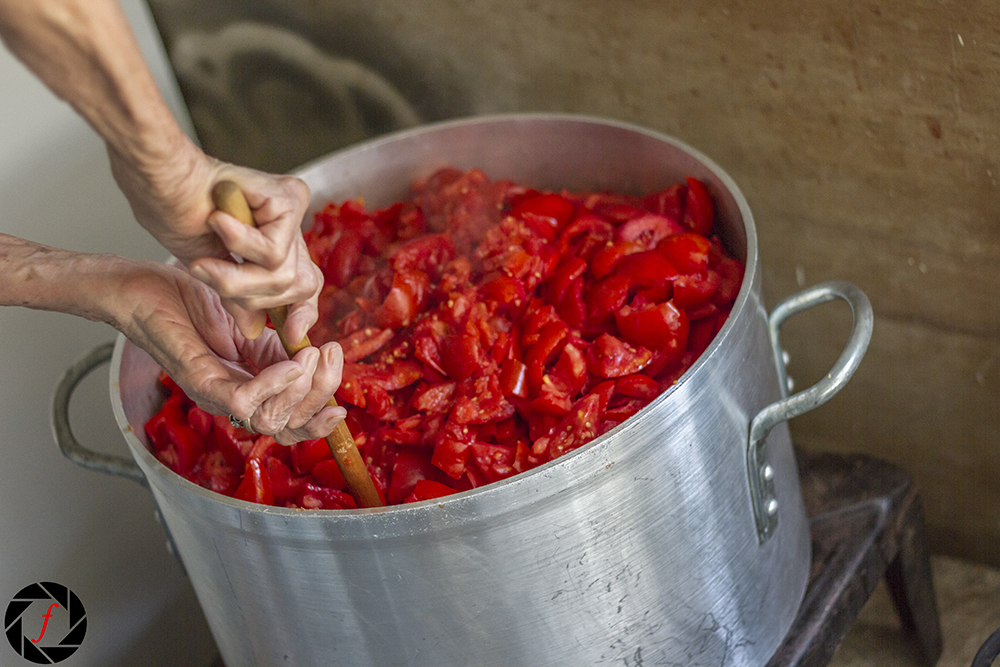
(47, 615)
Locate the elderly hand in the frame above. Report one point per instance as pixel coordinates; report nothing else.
(173, 202)
(182, 324)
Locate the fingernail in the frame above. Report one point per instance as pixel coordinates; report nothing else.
(293, 375)
(198, 272)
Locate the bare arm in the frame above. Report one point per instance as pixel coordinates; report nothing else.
(183, 326)
(85, 52)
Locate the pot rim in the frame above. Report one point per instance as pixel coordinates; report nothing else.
(459, 501)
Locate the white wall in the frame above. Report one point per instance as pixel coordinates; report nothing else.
(93, 533)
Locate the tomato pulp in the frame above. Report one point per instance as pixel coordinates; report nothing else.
(487, 328)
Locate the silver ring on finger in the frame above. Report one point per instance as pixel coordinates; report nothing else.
(241, 423)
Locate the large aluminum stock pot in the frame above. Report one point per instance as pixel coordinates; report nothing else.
(677, 538)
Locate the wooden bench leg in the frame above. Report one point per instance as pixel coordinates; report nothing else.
(911, 585)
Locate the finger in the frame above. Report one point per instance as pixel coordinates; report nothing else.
(243, 398)
(271, 196)
(325, 382)
(267, 245)
(251, 323)
(321, 425)
(302, 315)
(273, 413)
(256, 288)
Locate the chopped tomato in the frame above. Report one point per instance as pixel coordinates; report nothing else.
(693, 290)
(648, 230)
(256, 485)
(688, 252)
(426, 489)
(646, 269)
(487, 327)
(655, 326)
(699, 212)
(546, 213)
(611, 357)
(605, 259)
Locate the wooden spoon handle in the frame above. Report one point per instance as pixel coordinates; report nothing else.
(228, 197)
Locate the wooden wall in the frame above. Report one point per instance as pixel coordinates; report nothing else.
(865, 135)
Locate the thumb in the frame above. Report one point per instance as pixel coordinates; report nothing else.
(251, 323)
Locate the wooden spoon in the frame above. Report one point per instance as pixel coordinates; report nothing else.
(228, 197)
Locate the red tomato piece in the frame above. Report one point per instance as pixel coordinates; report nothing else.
(450, 456)
(607, 296)
(691, 291)
(638, 386)
(461, 355)
(320, 498)
(509, 294)
(584, 236)
(699, 212)
(328, 474)
(427, 253)
(514, 378)
(406, 299)
(549, 343)
(485, 405)
(646, 269)
(363, 343)
(688, 252)
(410, 467)
(307, 454)
(611, 357)
(731, 273)
(648, 230)
(342, 260)
(546, 213)
(669, 202)
(605, 259)
(284, 485)
(568, 270)
(534, 321)
(215, 473)
(427, 489)
(256, 485)
(551, 400)
(570, 371)
(200, 421)
(495, 462)
(660, 326)
(186, 444)
(572, 308)
(576, 428)
(605, 391)
(435, 399)
(229, 440)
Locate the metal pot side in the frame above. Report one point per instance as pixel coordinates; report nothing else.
(639, 548)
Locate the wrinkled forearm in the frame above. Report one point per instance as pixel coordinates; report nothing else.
(45, 278)
(85, 52)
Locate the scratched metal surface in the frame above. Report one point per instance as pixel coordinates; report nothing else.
(638, 549)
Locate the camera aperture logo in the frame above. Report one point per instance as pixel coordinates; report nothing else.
(45, 623)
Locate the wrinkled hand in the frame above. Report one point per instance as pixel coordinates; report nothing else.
(172, 200)
(184, 327)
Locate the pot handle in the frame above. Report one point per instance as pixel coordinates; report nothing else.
(761, 474)
(68, 444)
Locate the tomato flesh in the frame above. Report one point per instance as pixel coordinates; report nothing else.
(487, 328)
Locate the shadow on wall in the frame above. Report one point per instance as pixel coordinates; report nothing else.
(267, 97)
(270, 87)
